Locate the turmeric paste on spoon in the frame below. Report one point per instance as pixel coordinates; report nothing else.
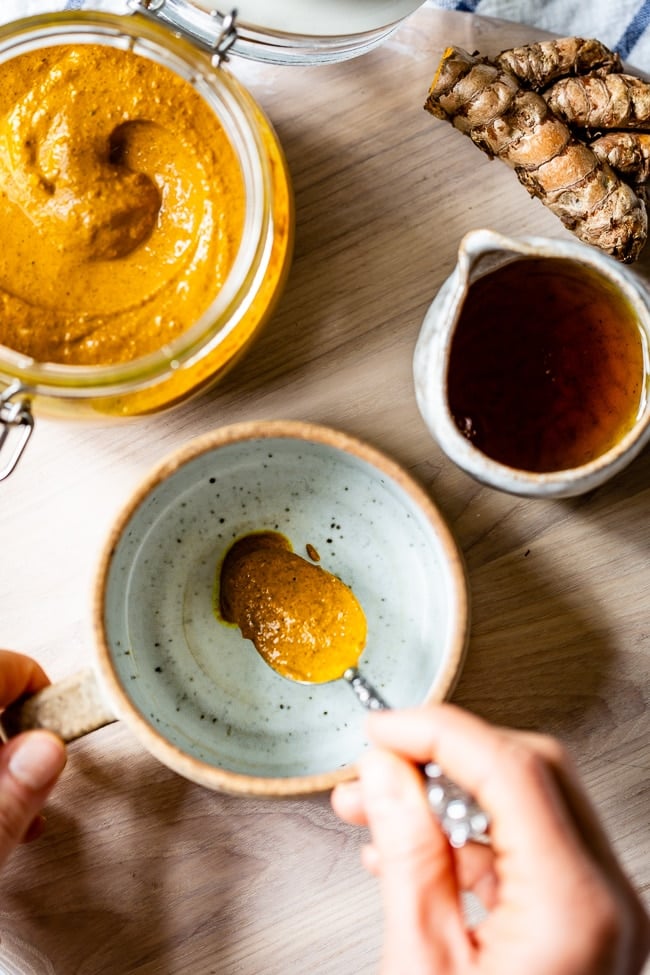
(305, 623)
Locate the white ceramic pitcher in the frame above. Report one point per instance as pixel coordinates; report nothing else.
(482, 251)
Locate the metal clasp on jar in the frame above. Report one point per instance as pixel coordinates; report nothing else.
(212, 31)
(16, 425)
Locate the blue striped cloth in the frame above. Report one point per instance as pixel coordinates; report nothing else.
(623, 25)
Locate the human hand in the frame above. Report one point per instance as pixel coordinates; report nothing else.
(30, 763)
(558, 902)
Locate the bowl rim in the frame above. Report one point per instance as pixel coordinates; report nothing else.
(195, 769)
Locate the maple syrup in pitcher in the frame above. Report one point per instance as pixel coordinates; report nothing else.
(547, 365)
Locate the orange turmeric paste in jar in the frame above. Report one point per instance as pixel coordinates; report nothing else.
(123, 210)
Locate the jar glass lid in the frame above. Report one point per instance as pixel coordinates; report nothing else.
(284, 31)
(317, 18)
(279, 31)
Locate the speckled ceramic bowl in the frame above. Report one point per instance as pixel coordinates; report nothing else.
(193, 691)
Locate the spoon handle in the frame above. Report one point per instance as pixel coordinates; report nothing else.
(461, 818)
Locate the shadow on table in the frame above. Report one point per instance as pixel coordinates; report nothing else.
(552, 615)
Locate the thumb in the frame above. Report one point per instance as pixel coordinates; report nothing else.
(30, 764)
(423, 918)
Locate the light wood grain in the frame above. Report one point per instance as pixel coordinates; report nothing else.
(143, 873)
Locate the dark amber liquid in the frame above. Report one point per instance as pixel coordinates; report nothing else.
(547, 365)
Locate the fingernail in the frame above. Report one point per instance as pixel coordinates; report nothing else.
(380, 776)
(373, 718)
(348, 791)
(37, 760)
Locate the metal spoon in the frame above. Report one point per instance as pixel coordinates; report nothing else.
(461, 818)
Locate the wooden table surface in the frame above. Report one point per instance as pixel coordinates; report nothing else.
(143, 872)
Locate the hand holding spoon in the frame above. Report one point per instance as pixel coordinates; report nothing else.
(309, 627)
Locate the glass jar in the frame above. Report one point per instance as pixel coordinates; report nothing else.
(198, 357)
(292, 31)
(192, 39)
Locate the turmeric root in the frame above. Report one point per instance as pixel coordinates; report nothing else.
(616, 101)
(626, 152)
(537, 65)
(517, 126)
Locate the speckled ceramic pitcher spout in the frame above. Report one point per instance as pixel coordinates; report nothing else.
(480, 253)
